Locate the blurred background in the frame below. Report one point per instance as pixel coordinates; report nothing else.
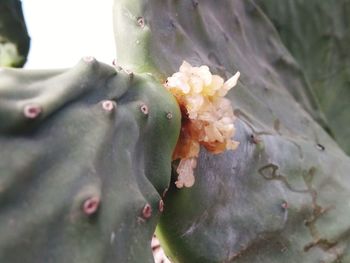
(64, 31)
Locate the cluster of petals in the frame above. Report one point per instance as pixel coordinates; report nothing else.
(207, 116)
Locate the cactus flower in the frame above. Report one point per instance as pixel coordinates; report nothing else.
(207, 117)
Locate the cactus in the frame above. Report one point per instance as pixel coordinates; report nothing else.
(85, 159)
(86, 153)
(14, 39)
(317, 34)
(282, 195)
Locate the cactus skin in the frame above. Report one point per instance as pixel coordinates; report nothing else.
(281, 197)
(81, 179)
(145, 46)
(14, 38)
(317, 34)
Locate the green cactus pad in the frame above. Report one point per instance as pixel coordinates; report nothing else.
(85, 158)
(14, 39)
(282, 196)
(317, 34)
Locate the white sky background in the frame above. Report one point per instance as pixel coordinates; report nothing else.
(63, 31)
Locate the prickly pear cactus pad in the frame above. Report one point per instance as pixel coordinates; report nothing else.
(14, 39)
(85, 158)
(281, 195)
(318, 35)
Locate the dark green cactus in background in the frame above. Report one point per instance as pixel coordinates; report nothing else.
(14, 39)
(282, 196)
(318, 35)
(85, 158)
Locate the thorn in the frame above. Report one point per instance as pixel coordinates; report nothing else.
(91, 205)
(108, 105)
(144, 109)
(169, 115)
(320, 147)
(32, 111)
(141, 21)
(88, 59)
(161, 205)
(147, 211)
